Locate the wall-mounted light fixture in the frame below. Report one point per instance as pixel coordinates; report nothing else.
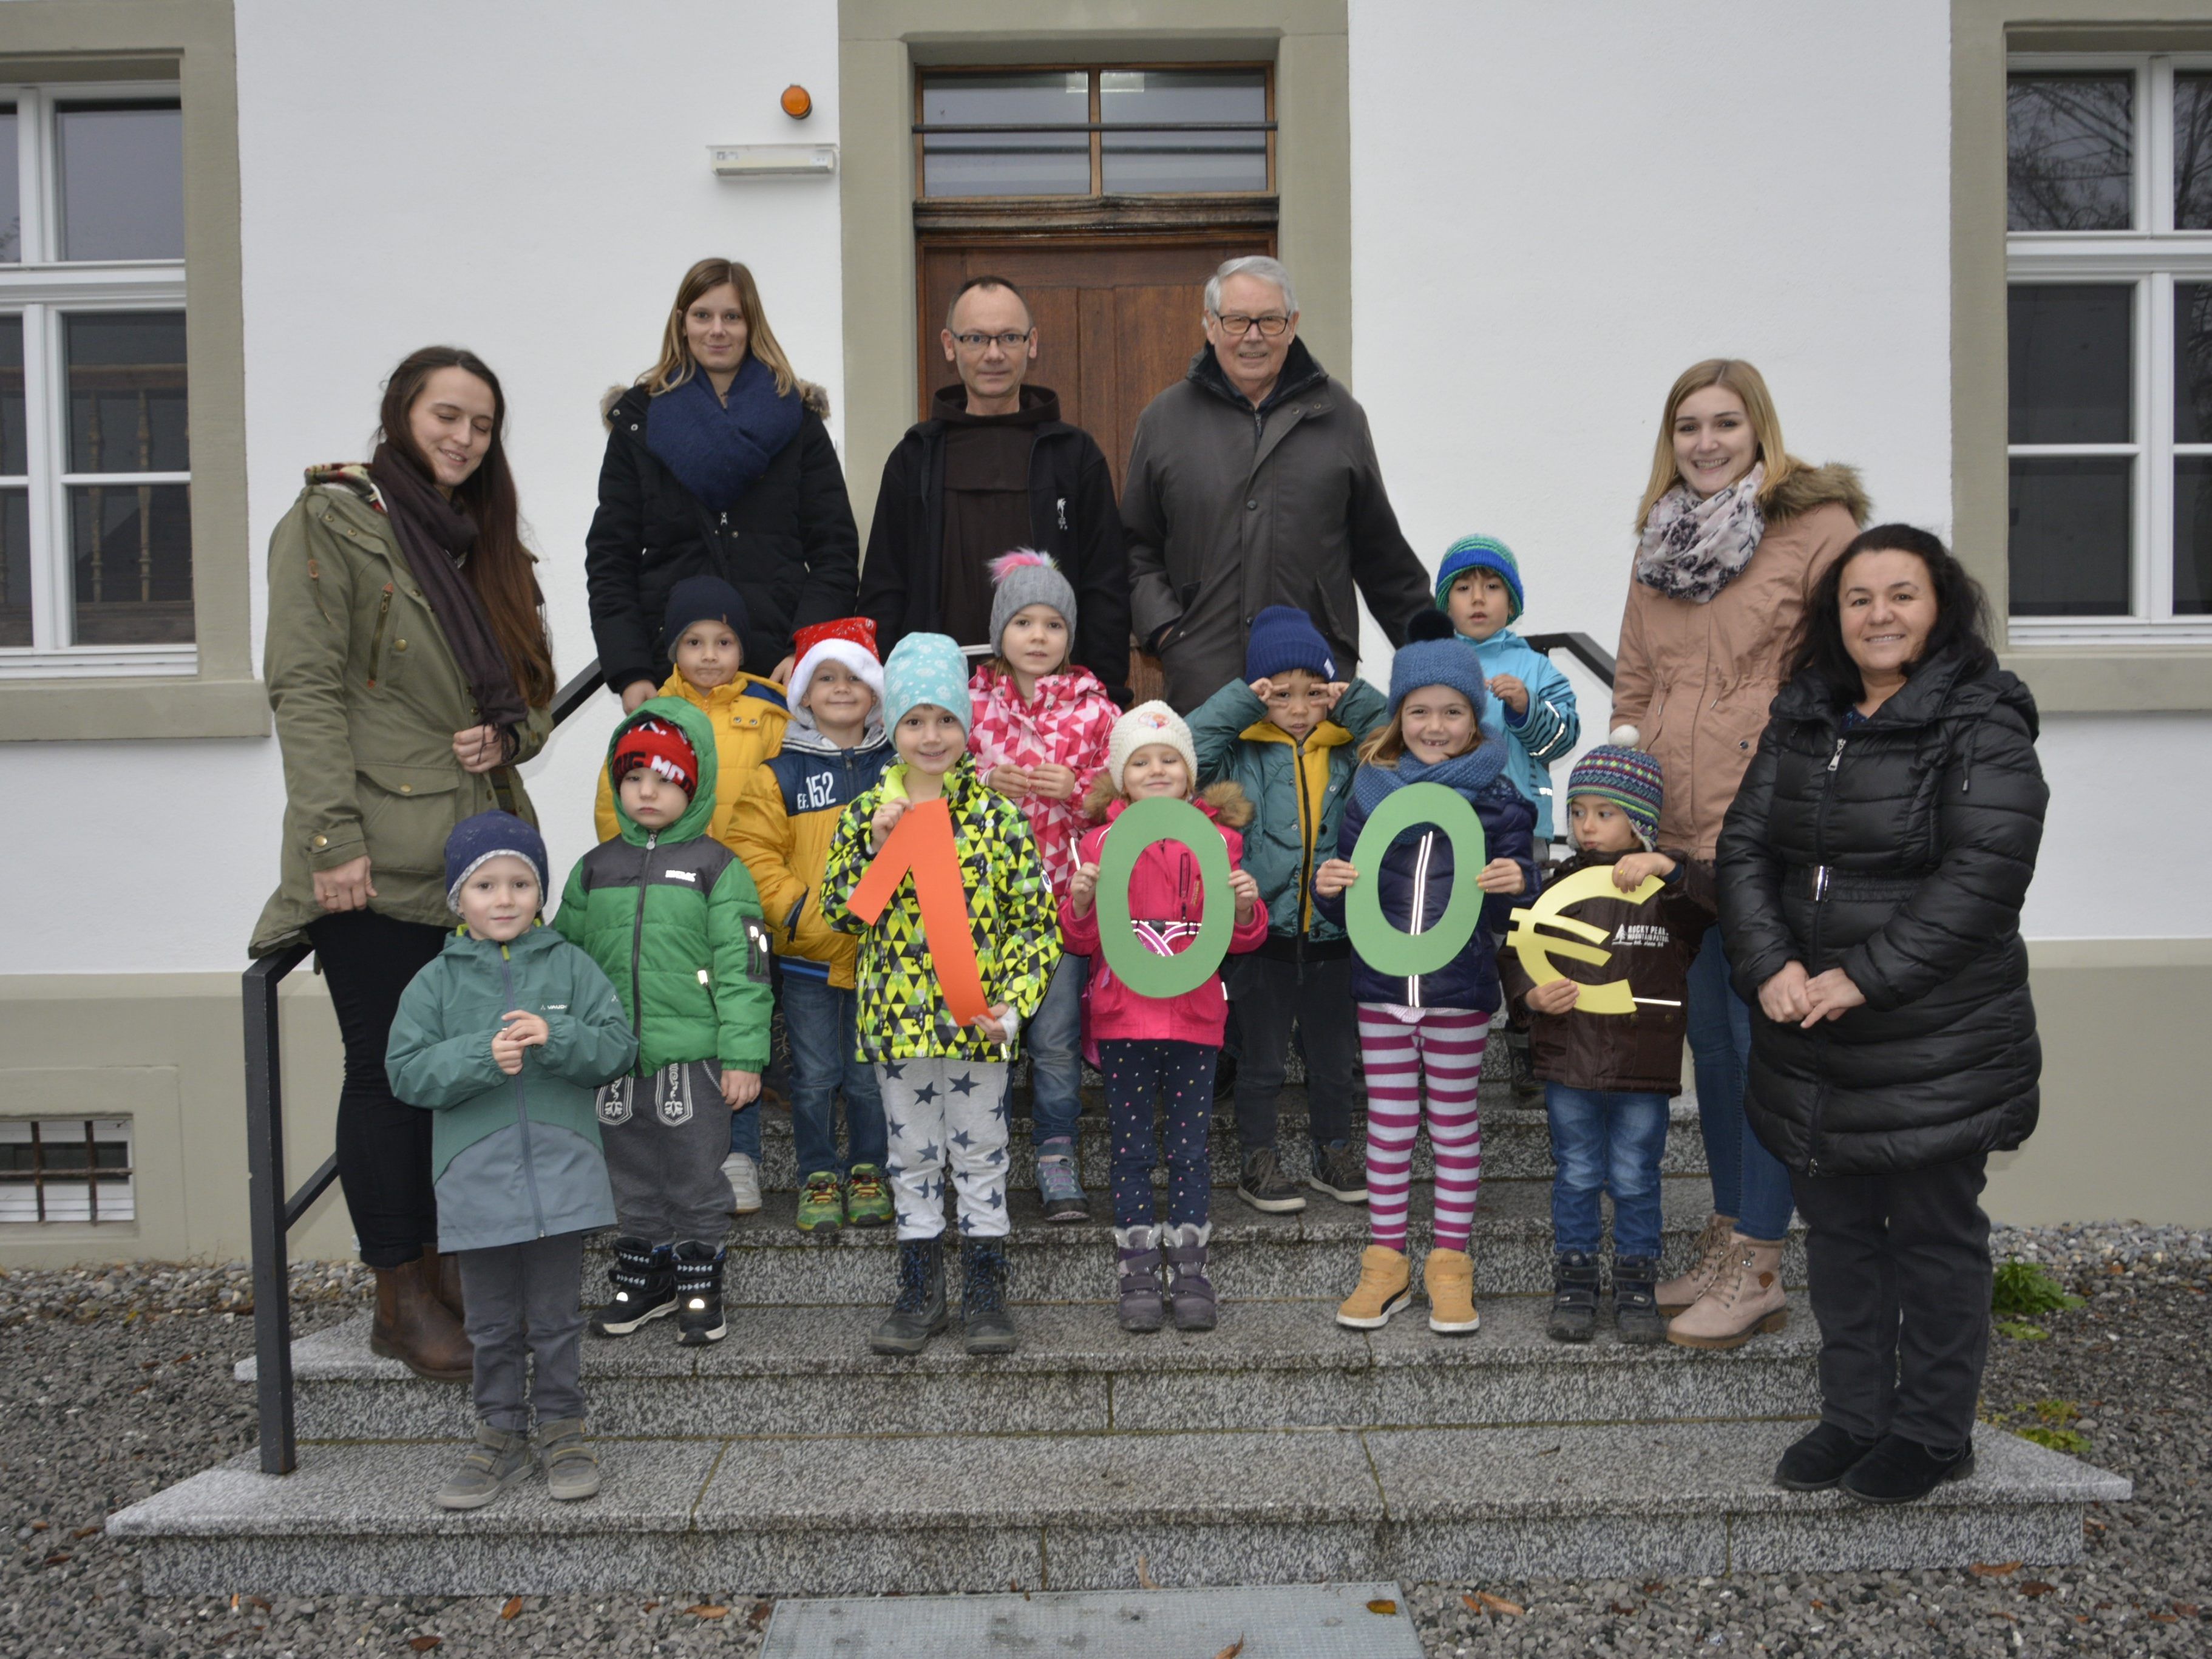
(797, 102)
(772, 161)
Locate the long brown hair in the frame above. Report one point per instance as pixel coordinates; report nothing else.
(499, 566)
(676, 365)
(1749, 385)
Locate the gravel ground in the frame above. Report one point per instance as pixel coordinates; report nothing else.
(115, 1383)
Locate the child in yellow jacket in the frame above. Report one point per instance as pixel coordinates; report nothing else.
(705, 627)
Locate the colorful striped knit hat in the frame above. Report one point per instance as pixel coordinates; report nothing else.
(1481, 553)
(1630, 779)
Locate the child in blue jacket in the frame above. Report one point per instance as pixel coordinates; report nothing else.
(1478, 588)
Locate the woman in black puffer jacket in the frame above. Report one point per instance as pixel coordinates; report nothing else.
(718, 464)
(1872, 871)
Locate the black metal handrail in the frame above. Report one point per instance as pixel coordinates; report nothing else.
(1592, 655)
(271, 1214)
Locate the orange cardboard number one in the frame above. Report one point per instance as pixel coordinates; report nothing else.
(920, 843)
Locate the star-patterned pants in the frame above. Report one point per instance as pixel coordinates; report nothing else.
(939, 1112)
(1177, 1078)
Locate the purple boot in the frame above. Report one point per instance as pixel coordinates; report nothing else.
(1138, 1252)
(1190, 1292)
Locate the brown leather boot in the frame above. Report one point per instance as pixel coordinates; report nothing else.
(1676, 1294)
(413, 1327)
(447, 1274)
(1744, 1299)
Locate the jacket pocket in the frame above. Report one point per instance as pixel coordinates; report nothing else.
(406, 814)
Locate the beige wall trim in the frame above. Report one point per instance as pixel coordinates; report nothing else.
(881, 40)
(2063, 955)
(2071, 681)
(195, 40)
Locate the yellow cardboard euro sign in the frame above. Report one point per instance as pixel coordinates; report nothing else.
(1537, 950)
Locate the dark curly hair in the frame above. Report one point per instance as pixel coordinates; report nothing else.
(1962, 613)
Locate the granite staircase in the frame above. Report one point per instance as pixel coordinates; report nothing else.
(788, 1460)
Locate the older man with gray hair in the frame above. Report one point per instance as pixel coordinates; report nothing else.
(1253, 481)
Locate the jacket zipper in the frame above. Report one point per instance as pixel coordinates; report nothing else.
(1306, 843)
(1415, 922)
(637, 945)
(1819, 898)
(376, 638)
(522, 1105)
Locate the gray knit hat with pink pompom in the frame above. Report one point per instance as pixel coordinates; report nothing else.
(1023, 578)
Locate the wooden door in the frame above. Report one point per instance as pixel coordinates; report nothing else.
(1117, 317)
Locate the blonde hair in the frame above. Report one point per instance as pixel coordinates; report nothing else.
(1386, 745)
(1750, 386)
(676, 364)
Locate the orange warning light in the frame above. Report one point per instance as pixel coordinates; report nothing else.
(797, 102)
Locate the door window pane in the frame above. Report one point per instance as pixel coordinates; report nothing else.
(127, 391)
(14, 458)
(14, 568)
(1133, 162)
(122, 184)
(2192, 536)
(2070, 345)
(1010, 163)
(130, 547)
(2069, 143)
(2071, 526)
(2193, 362)
(2192, 151)
(11, 215)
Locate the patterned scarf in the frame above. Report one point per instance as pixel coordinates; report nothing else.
(1691, 549)
(719, 450)
(1469, 773)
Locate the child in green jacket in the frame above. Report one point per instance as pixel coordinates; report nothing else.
(944, 1083)
(505, 1035)
(673, 917)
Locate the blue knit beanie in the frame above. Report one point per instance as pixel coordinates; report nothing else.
(702, 599)
(490, 835)
(1481, 553)
(926, 668)
(1438, 662)
(1283, 637)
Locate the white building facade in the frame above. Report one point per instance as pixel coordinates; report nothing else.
(1511, 225)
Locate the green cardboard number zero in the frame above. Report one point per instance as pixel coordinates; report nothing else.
(1141, 825)
(1390, 950)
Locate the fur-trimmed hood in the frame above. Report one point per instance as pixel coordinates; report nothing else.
(813, 395)
(1224, 802)
(1809, 487)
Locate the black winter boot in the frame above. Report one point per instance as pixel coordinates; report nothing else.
(1137, 1280)
(699, 1294)
(1820, 1458)
(1636, 1313)
(645, 1288)
(1574, 1297)
(918, 1312)
(1190, 1293)
(983, 1296)
(1901, 1471)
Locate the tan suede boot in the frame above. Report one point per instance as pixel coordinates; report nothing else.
(1386, 1285)
(1448, 1276)
(1676, 1294)
(1744, 1299)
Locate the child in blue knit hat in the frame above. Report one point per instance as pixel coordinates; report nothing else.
(1478, 588)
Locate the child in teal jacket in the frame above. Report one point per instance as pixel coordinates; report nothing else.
(507, 1034)
(1478, 588)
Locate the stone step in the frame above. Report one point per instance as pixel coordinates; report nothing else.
(1313, 1253)
(1516, 1143)
(1271, 1364)
(1073, 1511)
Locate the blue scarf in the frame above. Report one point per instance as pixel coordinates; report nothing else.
(1469, 773)
(718, 450)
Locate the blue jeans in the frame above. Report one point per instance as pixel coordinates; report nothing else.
(820, 1018)
(1749, 1182)
(1606, 1142)
(744, 1128)
(1053, 1038)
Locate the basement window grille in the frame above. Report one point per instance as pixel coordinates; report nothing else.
(66, 1169)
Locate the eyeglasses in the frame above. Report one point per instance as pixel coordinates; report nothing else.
(1236, 325)
(1008, 342)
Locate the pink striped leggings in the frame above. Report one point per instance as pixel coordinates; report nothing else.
(1446, 1045)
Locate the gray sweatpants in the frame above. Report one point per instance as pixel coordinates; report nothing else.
(522, 1304)
(666, 1137)
(939, 1112)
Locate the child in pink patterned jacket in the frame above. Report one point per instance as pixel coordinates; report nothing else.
(1042, 724)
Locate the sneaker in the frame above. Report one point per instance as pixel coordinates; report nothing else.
(1265, 1187)
(822, 1204)
(496, 1461)
(1340, 1172)
(572, 1468)
(867, 1198)
(744, 1177)
(1059, 1190)
(1386, 1285)
(1448, 1276)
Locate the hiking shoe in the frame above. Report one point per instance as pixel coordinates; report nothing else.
(983, 1296)
(821, 1203)
(1448, 1276)
(744, 1177)
(1677, 1294)
(645, 1288)
(1901, 1471)
(499, 1458)
(1058, 1190)
(918, 1312)
(1340, 1172)
(1636, 1313)
(1386, 1285)
(699, 1318)
(1137, 1280)
(1574, 1297)
(867, 1198)
(572, 1468)
(1190, 1292)
(1816, 1461)
(1265, 1187)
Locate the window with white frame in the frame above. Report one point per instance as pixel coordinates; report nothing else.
(95, 466)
